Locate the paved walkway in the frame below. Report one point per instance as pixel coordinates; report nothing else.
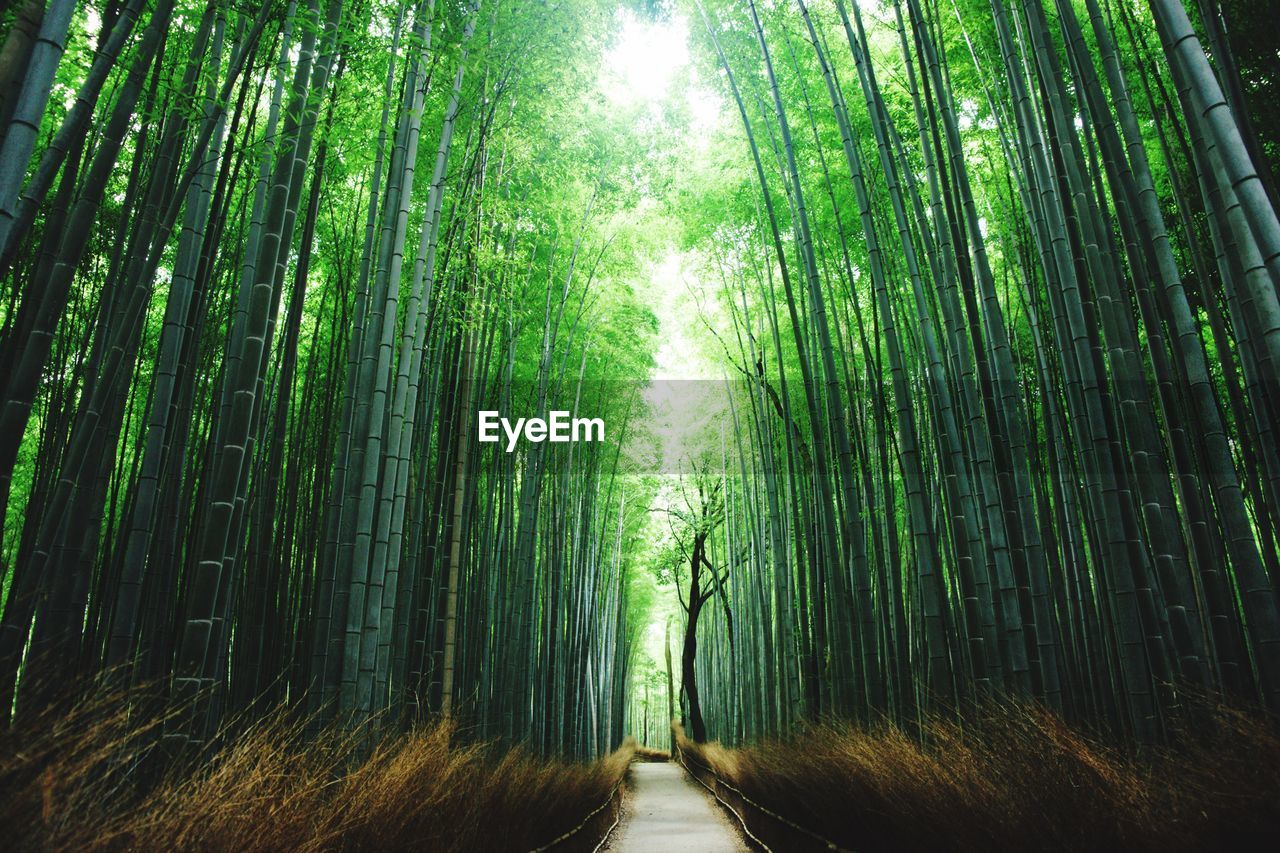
(668, 812)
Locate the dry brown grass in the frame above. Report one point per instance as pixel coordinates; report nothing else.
(68, 781)
(1017, 778)
(656, 756)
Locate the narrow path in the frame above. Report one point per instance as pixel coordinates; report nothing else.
(667, 812)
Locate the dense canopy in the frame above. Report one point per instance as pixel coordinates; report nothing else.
(936, 344)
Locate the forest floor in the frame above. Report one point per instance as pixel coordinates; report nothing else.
(666, 810)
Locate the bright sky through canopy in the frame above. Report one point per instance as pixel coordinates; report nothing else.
(647, 67)
(647, 60)
(645, 57)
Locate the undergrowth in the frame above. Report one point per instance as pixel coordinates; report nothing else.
(73, 779)
(651, 755)
(1017, 778)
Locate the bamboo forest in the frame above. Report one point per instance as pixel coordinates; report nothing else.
(648, 425)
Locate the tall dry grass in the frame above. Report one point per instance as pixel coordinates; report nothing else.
(1017, 778)
(73, 779)
(651, 755)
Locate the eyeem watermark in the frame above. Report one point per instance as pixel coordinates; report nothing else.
(559, 426)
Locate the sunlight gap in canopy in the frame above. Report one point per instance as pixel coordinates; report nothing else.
(647, 68)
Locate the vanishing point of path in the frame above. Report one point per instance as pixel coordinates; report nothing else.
(669, 812)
